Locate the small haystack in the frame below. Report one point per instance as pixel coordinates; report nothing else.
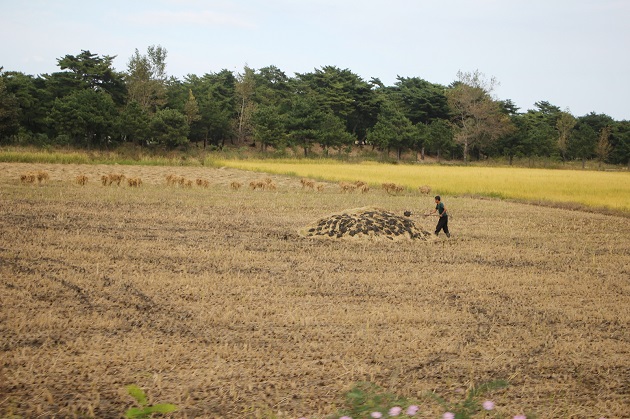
(366, 224)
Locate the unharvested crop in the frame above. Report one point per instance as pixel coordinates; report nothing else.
(214, 302)
(593, 189)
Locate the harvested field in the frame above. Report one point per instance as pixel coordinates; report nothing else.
(207, 297)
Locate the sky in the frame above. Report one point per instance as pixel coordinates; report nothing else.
(574, 54)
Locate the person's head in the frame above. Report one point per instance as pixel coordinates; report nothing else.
(437, 199)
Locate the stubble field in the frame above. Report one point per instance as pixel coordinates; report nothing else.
(209, 299)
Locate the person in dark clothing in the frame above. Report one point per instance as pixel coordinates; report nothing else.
(442, 224)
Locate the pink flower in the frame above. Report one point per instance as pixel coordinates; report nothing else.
(412, 410)
(488, 405)
(345, 417)
(395, 411)
(376, 415)
(520, 417)
(449, 415)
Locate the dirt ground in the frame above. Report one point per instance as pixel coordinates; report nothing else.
(209, 299)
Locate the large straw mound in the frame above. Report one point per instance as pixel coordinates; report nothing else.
(366, 224)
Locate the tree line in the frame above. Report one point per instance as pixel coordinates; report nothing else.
(89, 104)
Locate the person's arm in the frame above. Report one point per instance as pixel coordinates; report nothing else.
(443, 212)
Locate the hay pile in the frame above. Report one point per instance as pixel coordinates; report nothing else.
(366, 223)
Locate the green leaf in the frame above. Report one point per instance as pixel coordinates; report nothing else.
(137, 413)
(138, 394)
(162, 408)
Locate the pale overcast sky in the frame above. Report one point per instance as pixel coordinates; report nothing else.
(572, 53)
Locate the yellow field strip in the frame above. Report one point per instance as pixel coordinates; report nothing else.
(594, 189)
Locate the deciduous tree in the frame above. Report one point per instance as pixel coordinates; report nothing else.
(477, 118)
(191, 109)
(603, 147)
(245, 89)
(146, 78)
(564, 124)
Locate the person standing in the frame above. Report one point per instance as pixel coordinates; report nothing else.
(442, 224)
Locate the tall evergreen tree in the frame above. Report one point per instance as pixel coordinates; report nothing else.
(87, 116)
(9, 112)
(421, 101)
(392, 130)
(96, 73)
(169, 128)
(583, 142)
(269, 127)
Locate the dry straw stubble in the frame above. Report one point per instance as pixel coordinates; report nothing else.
(213, 302)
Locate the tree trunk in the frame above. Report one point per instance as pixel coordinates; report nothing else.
(422, 153)
(466, 152)
(511, 159)
(583, 162)
(438, 155)
(398, 153)
(240, 122)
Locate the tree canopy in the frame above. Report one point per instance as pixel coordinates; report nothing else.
(89, 104)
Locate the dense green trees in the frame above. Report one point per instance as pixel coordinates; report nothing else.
(88, 117)
(9, 111)
(168, 127)
(89, 104)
